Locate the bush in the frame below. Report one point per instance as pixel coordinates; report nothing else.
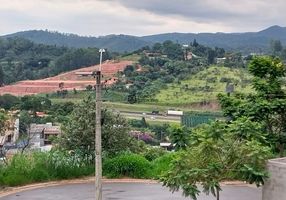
(162, 164)
(153, 153)
(130, 165)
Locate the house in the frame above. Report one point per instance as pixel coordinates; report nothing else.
(39, 134)
(11, 135)
(220, 60)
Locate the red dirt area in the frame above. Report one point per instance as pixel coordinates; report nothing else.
(77, 79)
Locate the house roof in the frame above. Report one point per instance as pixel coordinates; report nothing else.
(55, 130)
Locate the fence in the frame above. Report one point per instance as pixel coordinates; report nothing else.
(194, 119)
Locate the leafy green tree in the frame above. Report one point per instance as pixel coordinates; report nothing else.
(8, 101)
(216, 153)
(211, 54)
(3, 120)
(35, 103)
(268, 105)
(173, 50)
(179, 136)
(89, 87)
(79, 130)
(1, 76)
(276, 47)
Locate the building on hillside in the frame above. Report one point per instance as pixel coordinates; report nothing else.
(220, 61)
(11, 135)
(39, 134)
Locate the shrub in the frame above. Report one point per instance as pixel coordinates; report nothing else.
(153, 153)
(162, 164)
(130, 165)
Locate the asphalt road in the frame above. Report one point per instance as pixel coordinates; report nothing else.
(127, 191)
(148, 116)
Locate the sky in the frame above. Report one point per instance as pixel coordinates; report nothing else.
(140, 17)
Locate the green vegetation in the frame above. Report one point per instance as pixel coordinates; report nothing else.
(244, 42)
(236, 148)
(38, 167)
(21, 59)
(131, 57)
(79, 131)
(127, 165)
(216, 153)
(204, 86)
(72, 96)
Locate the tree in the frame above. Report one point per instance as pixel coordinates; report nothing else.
(3, 122)
(89, 87)
(35, 103)
(79, 130)
(211, 54)
(25, 138)
(1, 76)
(276, 47)
(268, 105)
(8, 101)
(180, 137)
(217, 152)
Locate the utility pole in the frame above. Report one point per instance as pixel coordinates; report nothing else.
(98, 159)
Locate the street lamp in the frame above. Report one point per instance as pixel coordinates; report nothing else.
(98, 159)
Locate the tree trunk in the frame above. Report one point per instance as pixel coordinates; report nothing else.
(217, 193)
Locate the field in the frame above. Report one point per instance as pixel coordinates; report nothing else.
(202, 89)
(71, 80)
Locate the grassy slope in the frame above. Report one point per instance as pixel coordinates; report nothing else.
(204, 86)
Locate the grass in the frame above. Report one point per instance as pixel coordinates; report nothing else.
(35, 167)
(136, 166)
(132, 57)
(204, 86)
(186, 96)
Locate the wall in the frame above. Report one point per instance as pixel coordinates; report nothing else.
(275, 186)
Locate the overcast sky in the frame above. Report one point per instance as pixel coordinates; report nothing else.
(140, 17)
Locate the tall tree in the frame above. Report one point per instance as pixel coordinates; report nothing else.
(276, 46)
(267, 105)
(1, 76)
(217, 152)
(79, 130)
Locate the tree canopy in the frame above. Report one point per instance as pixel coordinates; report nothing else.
(79, 130)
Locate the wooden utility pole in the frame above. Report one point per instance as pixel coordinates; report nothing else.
(98, 159)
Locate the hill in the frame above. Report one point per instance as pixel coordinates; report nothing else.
(22, 59)
(116, 43)
(245, 42)
(71, 80)
(202, 88)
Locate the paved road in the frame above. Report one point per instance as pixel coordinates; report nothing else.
(149, 116)
(127, 191)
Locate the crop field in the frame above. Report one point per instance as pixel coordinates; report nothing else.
(70, 80)
(204, 87)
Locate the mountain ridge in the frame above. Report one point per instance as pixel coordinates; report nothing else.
(245, 42)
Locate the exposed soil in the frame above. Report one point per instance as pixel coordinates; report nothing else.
(70, 80)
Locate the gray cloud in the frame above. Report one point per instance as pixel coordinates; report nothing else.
(228, 12)
(140, 17)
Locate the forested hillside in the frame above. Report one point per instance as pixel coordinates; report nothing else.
(165, 64)
(21, 59)
(115, 43)
(249, 42)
